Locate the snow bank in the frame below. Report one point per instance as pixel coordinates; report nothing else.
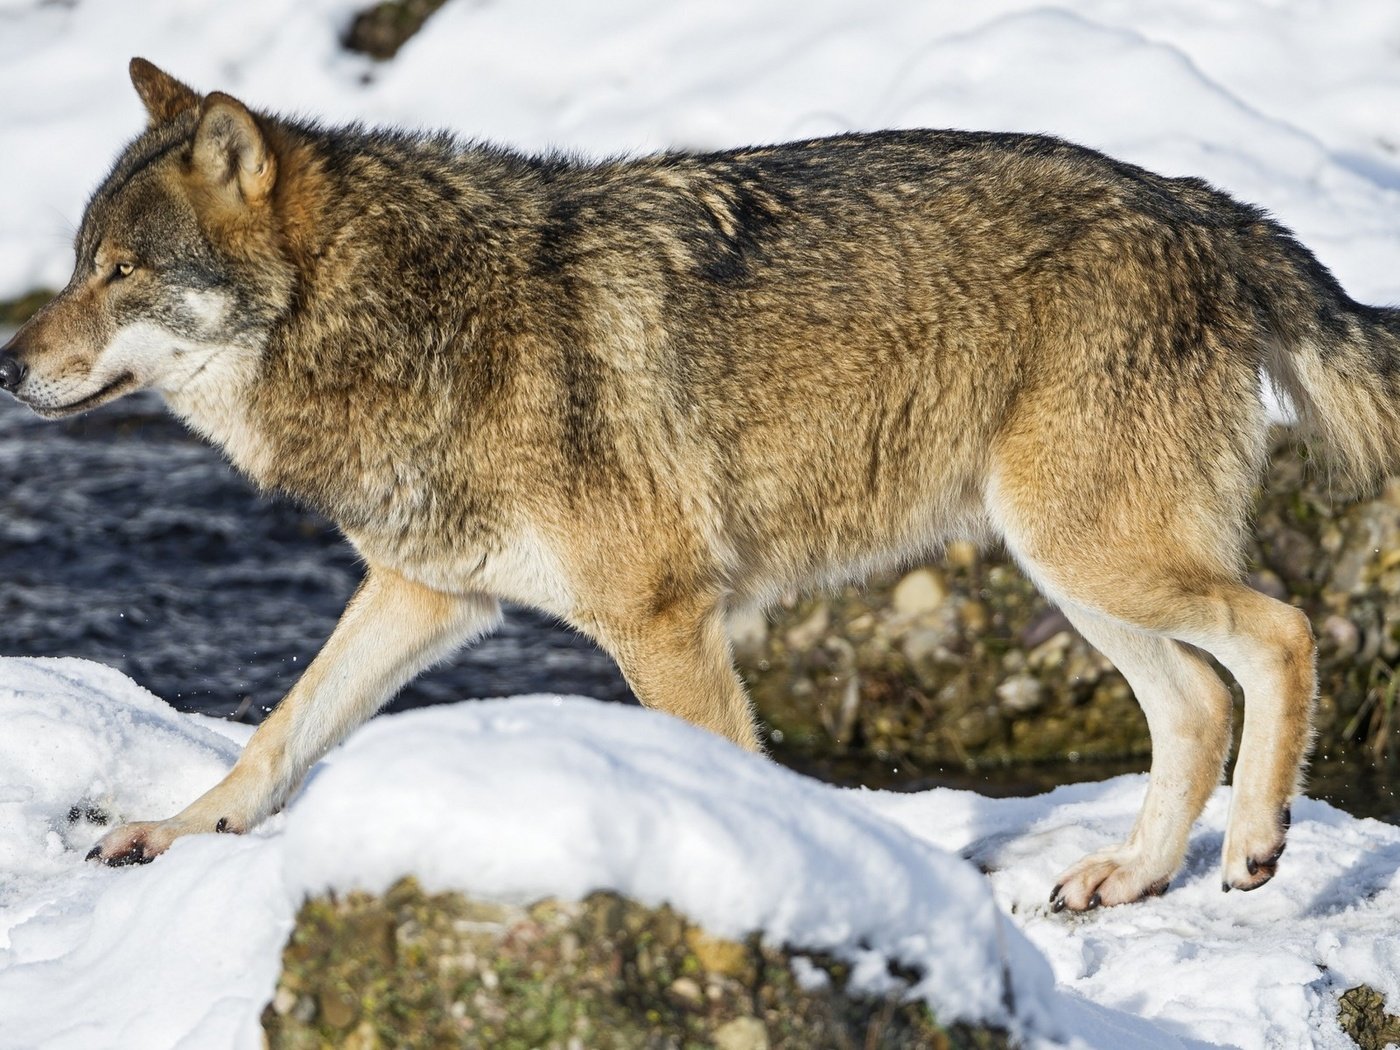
(1259, 970)
(511, 800)
(1290, 105)
(541, 796)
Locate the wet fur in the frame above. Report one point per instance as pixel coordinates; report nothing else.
(637, 392)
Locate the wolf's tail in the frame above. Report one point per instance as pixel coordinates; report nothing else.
(1336, 360)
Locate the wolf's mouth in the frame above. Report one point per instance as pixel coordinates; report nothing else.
(124, 383)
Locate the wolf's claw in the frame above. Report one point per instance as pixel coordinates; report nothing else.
(1108, 878)
(1261, 866)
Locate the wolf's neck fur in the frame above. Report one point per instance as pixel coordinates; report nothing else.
(370, 377)
(214, 401)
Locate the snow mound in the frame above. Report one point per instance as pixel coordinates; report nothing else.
(547, 796)
(541, 796)
(1259, 970)
(81, 738)
(516, 799)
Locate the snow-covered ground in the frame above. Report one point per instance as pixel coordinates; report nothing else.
(530, 797)
(1293, 105)
(1290, 104)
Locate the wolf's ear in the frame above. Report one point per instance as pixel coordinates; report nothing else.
(164, 97)
(230, 151)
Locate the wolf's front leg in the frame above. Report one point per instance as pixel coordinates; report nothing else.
(392, 629)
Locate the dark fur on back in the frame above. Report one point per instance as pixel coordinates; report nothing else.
(698, 275)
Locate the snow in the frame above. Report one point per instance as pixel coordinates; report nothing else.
(1260, 970)
(550, 796)
(1291, 105)
(512, 800)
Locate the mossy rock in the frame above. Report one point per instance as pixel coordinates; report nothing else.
(1361, 1012)
(958, 664)
(379, 31)
(407, 969)
(962, 664)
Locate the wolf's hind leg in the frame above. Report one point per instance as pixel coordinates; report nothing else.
(1188, 713)
(392, 629)
(1265, 644)
(1268, 646)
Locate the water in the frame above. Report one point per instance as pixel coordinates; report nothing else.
(127, 541)
(1353, 783)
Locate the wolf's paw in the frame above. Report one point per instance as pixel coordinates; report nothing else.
(1109, 877)
(1252, 849)
(141, 842)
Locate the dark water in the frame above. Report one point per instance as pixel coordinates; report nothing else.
(1353, 783)
(127, 541)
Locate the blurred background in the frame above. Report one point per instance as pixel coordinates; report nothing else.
(124, 540)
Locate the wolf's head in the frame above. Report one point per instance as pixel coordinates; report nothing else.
(180, 270)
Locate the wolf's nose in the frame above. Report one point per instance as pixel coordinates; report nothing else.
(11, 372)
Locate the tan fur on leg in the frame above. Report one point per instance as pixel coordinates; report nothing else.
(392, 629)
(679, 662)
(1188, 713)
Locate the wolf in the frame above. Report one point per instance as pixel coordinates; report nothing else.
(638, 393)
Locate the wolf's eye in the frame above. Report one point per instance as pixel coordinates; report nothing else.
(122, 269)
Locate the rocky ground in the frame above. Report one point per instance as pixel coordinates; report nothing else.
(411, 970)
(961, 663)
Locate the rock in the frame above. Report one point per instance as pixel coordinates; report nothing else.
(862, 626)
(381, 29)
(363, 1037)
(742, 1033)
(920, 592)
(1293, 553)
(748, 630)
(1050, 653)
(1342, 635)
(927, 653)
(1043, 627)
(1362, 1016)
(632, 976)
(1021, 694)
(1267, 582)
(961, 554)
(284, 1000)
(336, 1007)
(717, 955)
(688, 990)
(974, 616)
(809, 632)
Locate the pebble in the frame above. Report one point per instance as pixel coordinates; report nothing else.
(742, 1033)
(748, 629)
(922, 591)
(1021, 693)
(809, 632)
(1343, 634)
